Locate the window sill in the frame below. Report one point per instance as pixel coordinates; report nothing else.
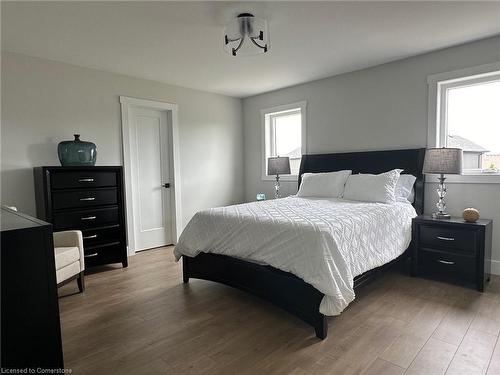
(467, 178)
(293, 178)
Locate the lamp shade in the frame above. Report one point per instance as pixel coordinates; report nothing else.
(278, 165)
(443, 161)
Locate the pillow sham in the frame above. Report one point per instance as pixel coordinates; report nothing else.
(325, 185)
(404, 188)
(372, 188)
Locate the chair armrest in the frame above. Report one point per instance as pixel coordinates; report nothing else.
(70, 238)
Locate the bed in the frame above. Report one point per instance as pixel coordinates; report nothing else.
(220, 244)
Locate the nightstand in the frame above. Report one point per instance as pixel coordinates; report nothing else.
(453, 249)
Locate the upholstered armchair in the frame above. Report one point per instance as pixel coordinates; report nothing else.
(68, 251)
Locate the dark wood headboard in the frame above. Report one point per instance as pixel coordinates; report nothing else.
(411, 161)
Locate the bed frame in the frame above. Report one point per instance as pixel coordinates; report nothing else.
(284, 289)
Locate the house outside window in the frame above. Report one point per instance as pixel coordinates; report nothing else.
(474, 154)
(465, 113)
(283, 134)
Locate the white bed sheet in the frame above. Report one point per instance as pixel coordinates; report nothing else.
(325, 242)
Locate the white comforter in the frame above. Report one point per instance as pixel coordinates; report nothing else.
(326, 242)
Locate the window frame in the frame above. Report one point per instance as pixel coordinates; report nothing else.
(270, 113)
(437, 132)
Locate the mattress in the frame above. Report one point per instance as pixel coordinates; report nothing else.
(325, 242)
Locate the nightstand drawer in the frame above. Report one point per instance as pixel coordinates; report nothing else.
(448, 238)
(446, 264)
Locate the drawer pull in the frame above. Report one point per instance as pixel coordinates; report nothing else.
(89, 218)
(446, 262)
(85, 180)
(445, 238)
(91, 255)
(88, 199)
(89, 237)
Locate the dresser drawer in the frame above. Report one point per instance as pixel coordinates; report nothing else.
(92, 237)
(446, 264)
(456, 240)
(84, 198)
(82, 219)
(103, 255)
(79, 179)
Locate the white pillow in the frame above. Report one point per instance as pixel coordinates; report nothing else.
(404, 188)
(330, 184)
(372, 187)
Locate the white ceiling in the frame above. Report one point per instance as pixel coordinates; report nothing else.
(181, 42)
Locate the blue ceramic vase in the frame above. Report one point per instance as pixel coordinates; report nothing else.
(77, 152)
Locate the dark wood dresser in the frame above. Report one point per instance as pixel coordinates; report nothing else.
(453, 249)
(90, 199)
(31, 331)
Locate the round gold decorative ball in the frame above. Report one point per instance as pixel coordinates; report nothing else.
(470, 215)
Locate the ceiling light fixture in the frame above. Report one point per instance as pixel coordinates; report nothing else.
(248, 28)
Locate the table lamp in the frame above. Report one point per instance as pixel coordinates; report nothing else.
(442, 161)
(276, 166)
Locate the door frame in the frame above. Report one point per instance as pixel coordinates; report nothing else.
(129, 143)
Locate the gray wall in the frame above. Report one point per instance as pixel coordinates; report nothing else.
(384, 107)
(45, 102)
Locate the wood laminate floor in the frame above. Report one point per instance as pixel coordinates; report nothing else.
(144, 320)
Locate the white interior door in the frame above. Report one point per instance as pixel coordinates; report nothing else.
(151, 178)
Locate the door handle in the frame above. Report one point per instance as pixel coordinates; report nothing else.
(166, 185)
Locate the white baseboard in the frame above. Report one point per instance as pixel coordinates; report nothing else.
(495, 267)
(130, 251)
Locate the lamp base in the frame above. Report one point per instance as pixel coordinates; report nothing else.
(277, 187)
(441, 215)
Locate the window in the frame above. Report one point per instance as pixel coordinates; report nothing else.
(466, 115)
(283, 135)
(473, 123)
